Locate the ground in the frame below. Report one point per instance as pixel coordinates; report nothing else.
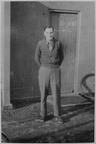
(24, 125)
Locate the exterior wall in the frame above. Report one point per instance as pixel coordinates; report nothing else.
(28, 21)
(86, 38)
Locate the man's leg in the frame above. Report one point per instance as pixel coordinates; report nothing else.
(55, 80)
(43, 84)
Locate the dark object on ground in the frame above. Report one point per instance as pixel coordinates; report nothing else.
(5, 138)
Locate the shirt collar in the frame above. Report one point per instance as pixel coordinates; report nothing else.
(52, 41)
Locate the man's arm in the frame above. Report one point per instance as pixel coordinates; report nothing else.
(61, 53)
(37, 55)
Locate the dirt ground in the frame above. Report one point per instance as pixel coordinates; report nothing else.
(23, 125)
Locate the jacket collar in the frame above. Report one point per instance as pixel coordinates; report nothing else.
(52, 41)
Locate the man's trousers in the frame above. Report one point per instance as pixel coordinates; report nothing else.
(50, 77)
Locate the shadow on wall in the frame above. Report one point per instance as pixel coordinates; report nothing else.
(28, 20)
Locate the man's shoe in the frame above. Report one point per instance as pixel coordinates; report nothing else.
(58, 119)
(44, 118)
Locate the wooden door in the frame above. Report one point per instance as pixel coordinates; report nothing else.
(65, 25)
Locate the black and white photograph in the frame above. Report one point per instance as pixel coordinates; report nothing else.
(47, 71)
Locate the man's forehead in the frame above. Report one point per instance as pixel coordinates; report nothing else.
(49, 30)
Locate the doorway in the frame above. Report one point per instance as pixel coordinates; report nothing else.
(65, 24)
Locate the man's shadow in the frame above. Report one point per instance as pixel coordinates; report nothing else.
(71, 111)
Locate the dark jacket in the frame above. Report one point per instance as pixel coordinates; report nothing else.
(45, 58)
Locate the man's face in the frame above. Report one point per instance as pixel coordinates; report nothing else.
(49, 33)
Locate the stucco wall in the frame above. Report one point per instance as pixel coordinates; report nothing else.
(86, 42)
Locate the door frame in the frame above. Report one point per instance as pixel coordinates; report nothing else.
(76, 84)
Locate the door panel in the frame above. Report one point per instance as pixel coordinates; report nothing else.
(65, 25)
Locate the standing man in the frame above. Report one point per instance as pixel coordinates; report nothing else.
(49, 57)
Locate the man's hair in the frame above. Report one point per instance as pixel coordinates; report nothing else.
(48, 27)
